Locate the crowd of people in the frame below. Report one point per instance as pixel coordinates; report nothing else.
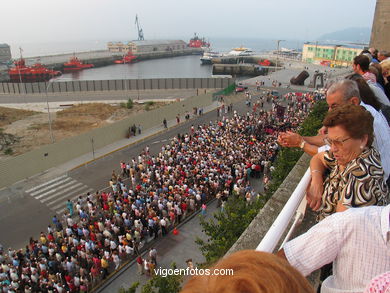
(149, 197)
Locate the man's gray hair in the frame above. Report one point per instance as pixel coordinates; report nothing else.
(384, 53)
(348, 88)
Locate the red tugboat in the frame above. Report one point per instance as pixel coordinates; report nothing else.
(75, 64)
(197, 42)
(128, 58)
(35, 73)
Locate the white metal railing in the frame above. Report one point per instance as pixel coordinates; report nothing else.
(296, 204)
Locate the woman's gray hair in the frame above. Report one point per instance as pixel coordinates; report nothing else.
(348, 88)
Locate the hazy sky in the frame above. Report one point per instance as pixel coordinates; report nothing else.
(70, 20)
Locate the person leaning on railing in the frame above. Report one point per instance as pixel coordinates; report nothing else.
(355, 241)
(355, 172)
(342, 93)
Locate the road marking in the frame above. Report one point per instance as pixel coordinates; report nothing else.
(65, 190)
(46, 183)
(50, 190)
(69, 194)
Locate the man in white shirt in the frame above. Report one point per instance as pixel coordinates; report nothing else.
(357, 241)
(340, 93)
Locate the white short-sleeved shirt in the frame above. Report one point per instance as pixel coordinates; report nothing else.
(381, 137)
(357, 241)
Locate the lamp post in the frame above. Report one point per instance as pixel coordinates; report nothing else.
(278, 52)
(48, 111)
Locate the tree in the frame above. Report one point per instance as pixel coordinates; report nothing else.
(226, 227)
(160, 284)
(171, 283)
(132, 289)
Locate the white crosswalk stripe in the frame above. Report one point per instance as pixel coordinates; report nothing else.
(46, 183)
(57, 191)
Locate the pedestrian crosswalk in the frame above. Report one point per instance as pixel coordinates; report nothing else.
(56, 192)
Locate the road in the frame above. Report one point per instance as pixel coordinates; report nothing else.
(26, 208)
(96, 96)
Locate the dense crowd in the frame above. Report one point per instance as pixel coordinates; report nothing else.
(151, 196)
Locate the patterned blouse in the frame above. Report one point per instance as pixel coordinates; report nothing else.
(360, 184)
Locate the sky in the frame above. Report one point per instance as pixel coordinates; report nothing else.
(35, 21)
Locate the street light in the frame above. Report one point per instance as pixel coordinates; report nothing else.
(278, 52)
(48, 110)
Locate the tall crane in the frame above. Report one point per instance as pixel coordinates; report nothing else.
(140, 32)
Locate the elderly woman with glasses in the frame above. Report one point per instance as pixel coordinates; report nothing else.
(350, 173)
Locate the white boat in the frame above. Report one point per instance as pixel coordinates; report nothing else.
(241, 51)
(207, 57)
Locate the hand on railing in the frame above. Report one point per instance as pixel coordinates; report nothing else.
(314, 194)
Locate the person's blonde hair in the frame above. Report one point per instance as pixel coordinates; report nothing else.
(253, 272)
(385, 64)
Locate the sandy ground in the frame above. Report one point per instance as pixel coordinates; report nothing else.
(32, 127)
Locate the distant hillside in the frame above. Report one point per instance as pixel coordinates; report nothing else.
(353, 34)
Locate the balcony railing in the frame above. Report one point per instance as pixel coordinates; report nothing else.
(295, 205)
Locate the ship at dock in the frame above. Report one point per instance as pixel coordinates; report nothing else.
(241, 51)
(36, 73)
(207, 58)
(75, 64)
(197, 42)
(128, 58)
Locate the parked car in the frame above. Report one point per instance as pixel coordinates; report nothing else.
(241, 88)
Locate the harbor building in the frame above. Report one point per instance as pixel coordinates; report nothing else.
(149, 46)
(380, 37)
(5, 53)
(5, 60)
(330, 55)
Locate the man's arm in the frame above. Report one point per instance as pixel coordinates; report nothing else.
(291, 139)
(317, 140)
(309, 144)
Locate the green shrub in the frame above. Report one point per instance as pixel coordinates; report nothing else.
(129, 104)
(158, 284)
(226, 227)
(8, 151)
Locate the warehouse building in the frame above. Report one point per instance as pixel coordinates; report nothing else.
(149, 46)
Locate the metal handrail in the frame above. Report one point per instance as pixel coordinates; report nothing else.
(275, 232)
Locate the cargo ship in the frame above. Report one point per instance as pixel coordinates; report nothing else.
(197, 42)
(75, 64)
(128, 58)
(35, 73)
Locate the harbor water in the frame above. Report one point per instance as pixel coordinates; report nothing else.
(182, 66)
(176, 67)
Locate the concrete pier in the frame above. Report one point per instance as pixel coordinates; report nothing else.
(243, 69)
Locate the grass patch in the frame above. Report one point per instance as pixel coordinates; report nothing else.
(10, 115)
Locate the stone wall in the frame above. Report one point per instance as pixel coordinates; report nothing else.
(380, 33)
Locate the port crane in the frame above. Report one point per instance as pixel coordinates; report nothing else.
(140, 31)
